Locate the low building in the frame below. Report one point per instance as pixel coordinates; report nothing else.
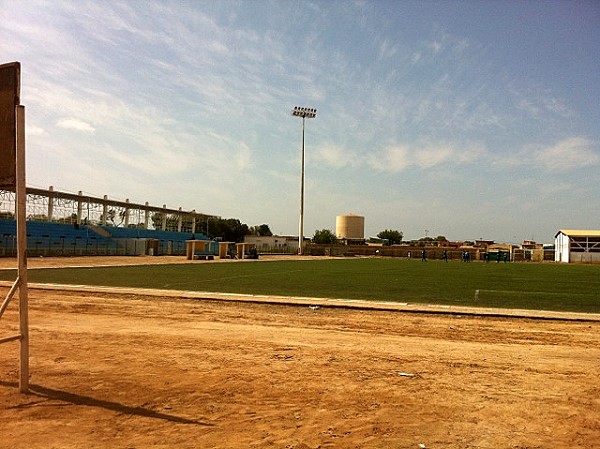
(282, 244)
(499, 252)
(483, 243)
(447, 244)
(530, 244)
(572, 245)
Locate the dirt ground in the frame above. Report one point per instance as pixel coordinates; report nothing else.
(124, 370)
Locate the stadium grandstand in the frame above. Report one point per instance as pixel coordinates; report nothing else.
(68, 224)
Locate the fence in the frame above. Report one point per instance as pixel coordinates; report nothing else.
(415, 252)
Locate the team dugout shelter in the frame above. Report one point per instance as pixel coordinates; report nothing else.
(572, 246)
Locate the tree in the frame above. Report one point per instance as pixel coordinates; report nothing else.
(112, 215)
(229, 229)
(261, 230)
(37, 217)
(426, 241)
(324, 236)
(393, 237)
(67, 220)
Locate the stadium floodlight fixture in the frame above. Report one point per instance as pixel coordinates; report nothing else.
(304, 113)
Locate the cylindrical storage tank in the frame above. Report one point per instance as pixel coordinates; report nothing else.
(350, 227)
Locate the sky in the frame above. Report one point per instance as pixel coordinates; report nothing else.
(467, 119)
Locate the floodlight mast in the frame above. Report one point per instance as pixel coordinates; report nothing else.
(304, 113)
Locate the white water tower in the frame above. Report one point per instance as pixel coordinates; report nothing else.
(350, 227)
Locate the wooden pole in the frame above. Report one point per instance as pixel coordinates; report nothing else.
(10, 295)
(21, 200)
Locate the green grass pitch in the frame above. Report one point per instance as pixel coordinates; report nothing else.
(527, 286)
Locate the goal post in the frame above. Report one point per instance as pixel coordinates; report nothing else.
(12, 176)
(10, 80)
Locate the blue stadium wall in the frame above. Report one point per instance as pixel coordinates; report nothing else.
(57, 239)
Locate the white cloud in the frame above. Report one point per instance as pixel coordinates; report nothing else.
(35, 130)
(76, 124)
(402, 157)
(558, 107)
(555, 188)
(432, 156)
(569, 154)
(243, 157)
(447, 42)
(541, 104)
(392, 159)
(334, 156)
(435, 46)
(387, 50)
(527, 105)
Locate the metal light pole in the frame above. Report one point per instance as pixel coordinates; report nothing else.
(304, 113)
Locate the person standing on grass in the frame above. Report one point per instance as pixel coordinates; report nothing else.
(445, 256)
(423, 255)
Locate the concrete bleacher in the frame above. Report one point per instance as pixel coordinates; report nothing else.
(8, 237)
(59, 239)
(49, 239)
(152, 234)
(168, 242)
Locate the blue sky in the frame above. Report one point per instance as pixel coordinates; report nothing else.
(476, 119)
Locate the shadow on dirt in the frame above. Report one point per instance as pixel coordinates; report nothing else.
(77, 399)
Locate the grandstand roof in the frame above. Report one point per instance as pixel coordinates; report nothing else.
(579, 233)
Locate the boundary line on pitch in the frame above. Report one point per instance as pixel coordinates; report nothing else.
(357, 304)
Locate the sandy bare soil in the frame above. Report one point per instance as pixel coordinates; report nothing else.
(131, 371)
(78, 261)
